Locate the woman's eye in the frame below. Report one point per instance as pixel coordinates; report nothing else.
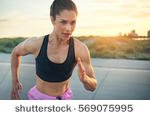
(63, 22)
(72, 23)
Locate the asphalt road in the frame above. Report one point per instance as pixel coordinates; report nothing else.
(118, 79)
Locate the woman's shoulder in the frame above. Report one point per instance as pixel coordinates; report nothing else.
(79, 44)
(33, 43)
(34, 40)
(80, 48)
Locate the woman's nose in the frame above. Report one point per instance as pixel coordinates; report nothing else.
(68, 27)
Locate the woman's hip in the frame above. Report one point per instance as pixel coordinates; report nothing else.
(35, 94)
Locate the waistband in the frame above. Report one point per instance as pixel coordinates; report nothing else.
(35, 94)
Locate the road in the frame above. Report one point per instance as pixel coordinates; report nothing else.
(118, 79)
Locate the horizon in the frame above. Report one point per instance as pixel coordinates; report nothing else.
(20, 18)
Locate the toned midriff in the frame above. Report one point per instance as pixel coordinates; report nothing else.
(52, 88)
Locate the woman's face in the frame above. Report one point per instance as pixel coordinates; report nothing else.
(64, 24)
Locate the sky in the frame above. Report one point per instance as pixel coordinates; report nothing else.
(96, 17)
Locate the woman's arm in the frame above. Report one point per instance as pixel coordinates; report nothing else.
(85, 70)
(86, 75)
(22, 49)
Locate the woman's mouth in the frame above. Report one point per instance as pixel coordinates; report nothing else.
(66, 34)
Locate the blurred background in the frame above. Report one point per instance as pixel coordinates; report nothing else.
(111, 29)
(117, 34)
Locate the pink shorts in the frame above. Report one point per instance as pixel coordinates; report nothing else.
(35, 94)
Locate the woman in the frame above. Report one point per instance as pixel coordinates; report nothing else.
(56, 55)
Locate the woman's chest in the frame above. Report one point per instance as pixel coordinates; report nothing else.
(57, 54)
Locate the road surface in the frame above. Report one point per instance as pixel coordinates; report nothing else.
(118, 79)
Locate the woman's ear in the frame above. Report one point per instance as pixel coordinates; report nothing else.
(52, 19)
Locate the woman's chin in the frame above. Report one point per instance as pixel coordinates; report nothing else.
(66, 37)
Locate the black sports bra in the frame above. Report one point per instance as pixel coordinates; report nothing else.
(55, 72)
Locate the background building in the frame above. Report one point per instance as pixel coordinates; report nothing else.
(148, 33)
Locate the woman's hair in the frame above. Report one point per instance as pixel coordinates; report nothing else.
(60, 5)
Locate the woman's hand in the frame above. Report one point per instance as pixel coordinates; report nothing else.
(89, 82)
(16, 89)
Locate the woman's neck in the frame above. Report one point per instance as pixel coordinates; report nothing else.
(54, 39)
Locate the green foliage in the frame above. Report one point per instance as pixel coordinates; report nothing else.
(7, 44)
(103, 47)
(119, 47)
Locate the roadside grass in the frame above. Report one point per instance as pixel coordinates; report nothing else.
(99, 47)
(119, 48)
(7, 44)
